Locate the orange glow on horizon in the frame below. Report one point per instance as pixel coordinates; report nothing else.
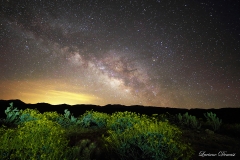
(37, 91)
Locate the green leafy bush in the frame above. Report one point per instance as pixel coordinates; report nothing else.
(41, 136)
(94, 119)
(188, 120)
(15, 117)
(148, 140)
(120, 121)
(28, 115)
(18, 117)
(161, 117)
(38, 139)
(213, 120)
(12, 114)
(131, 136)
(52, 116)
(67, 120)
(195, 124)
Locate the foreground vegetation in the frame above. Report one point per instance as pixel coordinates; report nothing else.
(28, 134)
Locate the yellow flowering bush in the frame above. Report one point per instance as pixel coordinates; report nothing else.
(131, 135)
(120, 121)
(28, 115)
(93, 119)
(39, 139)
(148, 139)
(51, 115)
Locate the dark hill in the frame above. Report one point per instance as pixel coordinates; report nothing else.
(228, 115)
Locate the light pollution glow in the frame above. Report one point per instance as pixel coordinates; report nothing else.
(45, 91)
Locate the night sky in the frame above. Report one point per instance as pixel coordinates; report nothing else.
(164, 53)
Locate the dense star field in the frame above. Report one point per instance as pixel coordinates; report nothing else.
(167, 53)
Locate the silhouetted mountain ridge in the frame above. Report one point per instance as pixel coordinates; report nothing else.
(228, 115)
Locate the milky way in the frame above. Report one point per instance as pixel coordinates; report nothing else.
(164, 53)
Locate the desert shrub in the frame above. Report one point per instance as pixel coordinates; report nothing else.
(166, 117)
(28, 115)
(120, 121)
(195, 124)
(39, 139)
(12, 114)
(188, 120)
(84, 150)
(148, 140)
(15, 116)
(67, 120)
(77, 134)
(18, 117)
(94, 119)
(213, 120)
(161, 117)
(52, 116)
(183, 119)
